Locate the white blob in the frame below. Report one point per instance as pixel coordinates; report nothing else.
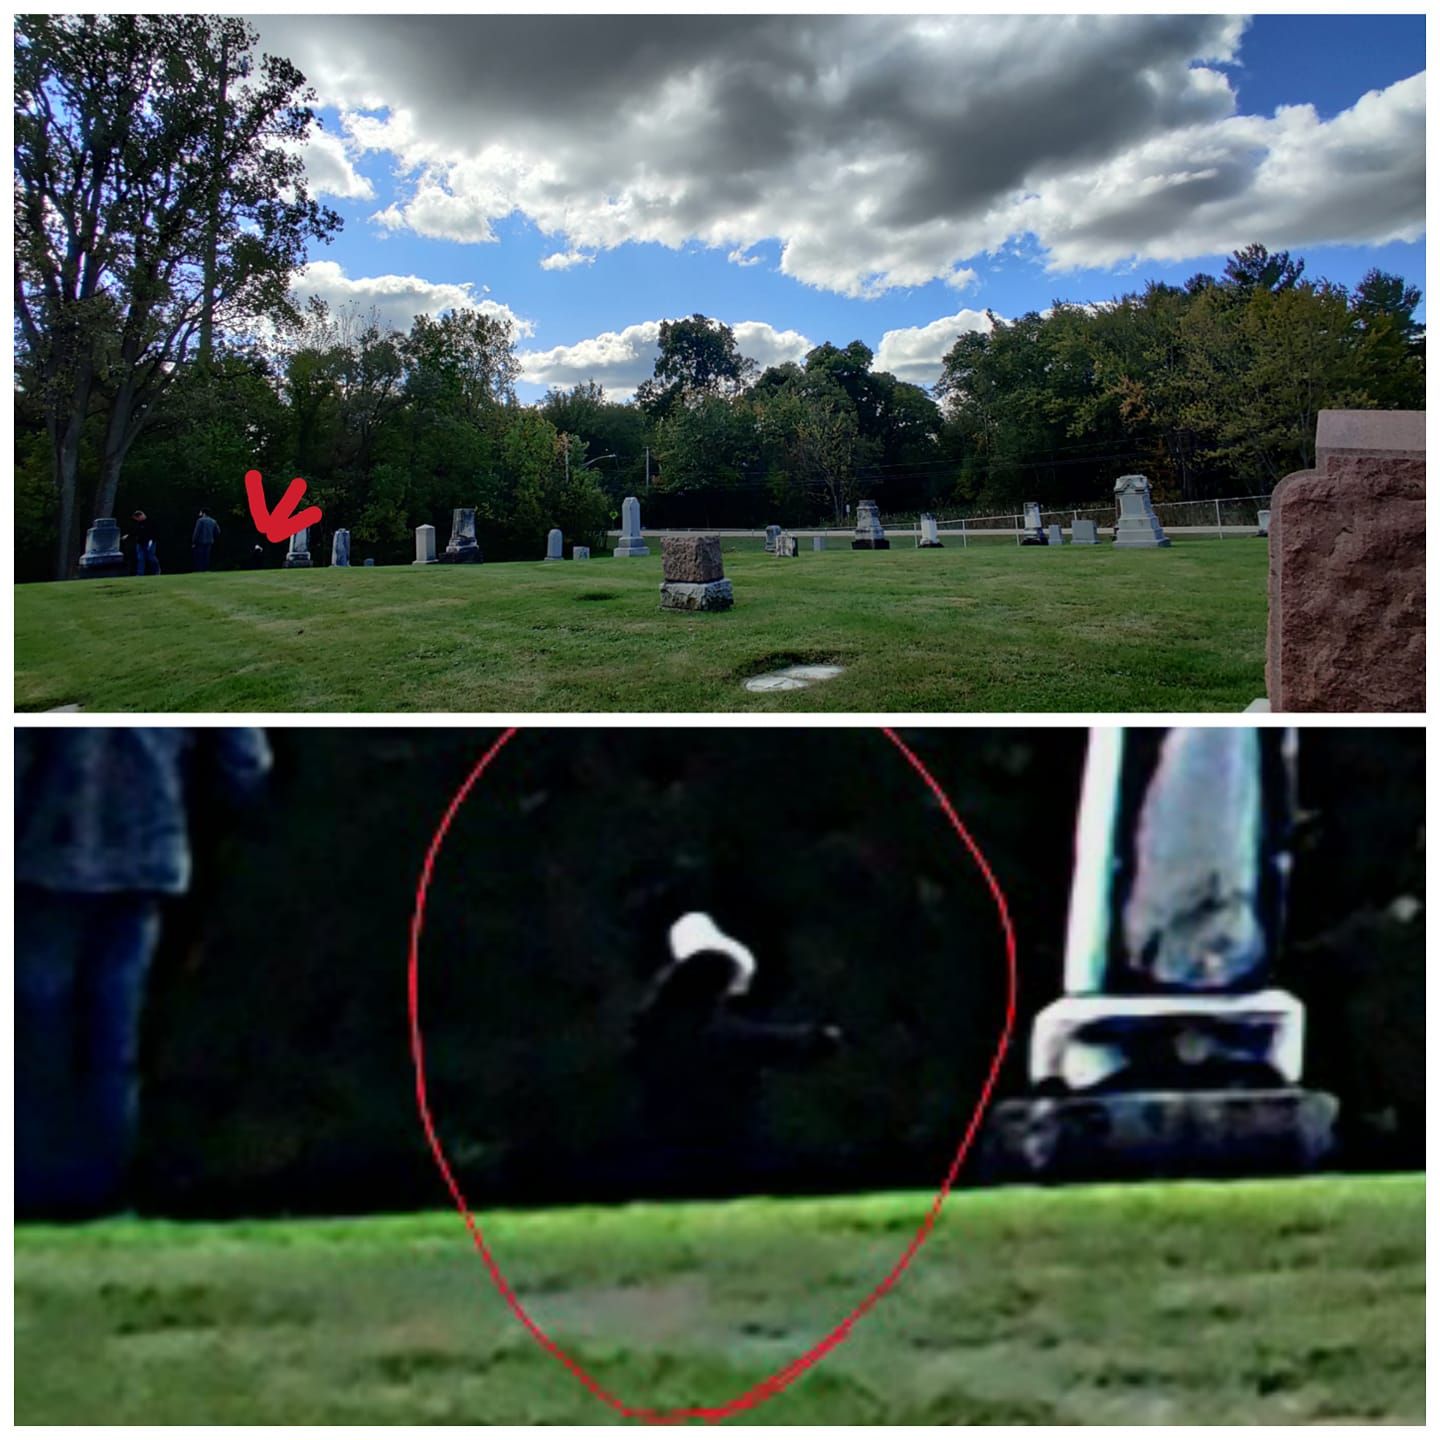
(696, 932)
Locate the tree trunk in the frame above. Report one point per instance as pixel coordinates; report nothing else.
(119, 436)
(65, 465)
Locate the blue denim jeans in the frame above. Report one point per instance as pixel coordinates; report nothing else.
(80, 967)
(147, 560)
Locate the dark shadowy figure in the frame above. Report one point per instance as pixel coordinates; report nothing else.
(102, 838)
(701, 1063)
(142, 535)
(202, 540)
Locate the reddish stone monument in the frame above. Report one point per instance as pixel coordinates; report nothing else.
(1347, 569)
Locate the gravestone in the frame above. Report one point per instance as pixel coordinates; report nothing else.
(1054, 535)
(772, 534)
(1083, 532)
(869, 533)
(297, 557)
(1032, 531)
(1347, 569)
(930, 533)
(1262, 524)
(694, 574)
(579, 552)
(464, 548)
(103, 555)
(630, 542)
(554, 546)
(787, 546)
(340, 548)
(817, 542)
(369, 560)
(1172, 1052)
(424, 546)
(1138, 527)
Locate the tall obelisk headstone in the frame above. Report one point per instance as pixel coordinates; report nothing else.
(1172, 1051)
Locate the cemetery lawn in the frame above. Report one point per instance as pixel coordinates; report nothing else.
(991, 627)
(1270, 1302)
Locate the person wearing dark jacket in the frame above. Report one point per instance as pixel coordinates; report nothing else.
(101, 840)
(202, 540)
(147, 560)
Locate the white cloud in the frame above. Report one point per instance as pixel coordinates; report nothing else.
(396, 299)
(915, 353)
(329, 169)
(743, 258)
(878, 151)
(621, 359)
(566, 259)
(962, 279)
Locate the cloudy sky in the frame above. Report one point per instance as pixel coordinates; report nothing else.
(809, 178)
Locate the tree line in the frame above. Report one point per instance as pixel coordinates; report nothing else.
(162, 212)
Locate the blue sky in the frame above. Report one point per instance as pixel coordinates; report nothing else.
(870, 189)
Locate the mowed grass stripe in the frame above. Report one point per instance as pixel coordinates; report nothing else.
(1283, 1301)
(988, 628)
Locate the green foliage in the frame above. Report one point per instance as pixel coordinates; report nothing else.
(1213, 388)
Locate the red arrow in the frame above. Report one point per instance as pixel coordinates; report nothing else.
(281, 523)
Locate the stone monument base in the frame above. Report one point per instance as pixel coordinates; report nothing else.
(1158, 1133)
(932, 544)
(298, 562)
(103, 567)
(622, 552)
(1034, 540)
(466, 555)
(869, 544)
(688, 595)
(1133, 532)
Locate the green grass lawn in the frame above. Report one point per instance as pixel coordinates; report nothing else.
(991, 627)
(1274, 1302)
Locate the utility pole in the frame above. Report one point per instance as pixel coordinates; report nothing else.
(647, 467)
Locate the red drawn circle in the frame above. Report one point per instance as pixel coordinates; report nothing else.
(787, 1374)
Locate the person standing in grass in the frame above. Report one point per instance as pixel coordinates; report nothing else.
(102, 838)
(203, 539)
(147, 559)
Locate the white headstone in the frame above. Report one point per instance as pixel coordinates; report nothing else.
(1054, 535)
(298, 555)
(463, 548)
(425, 546)
(1083, 532)
(1032, 517)
(772, 534)
(1264, 525)
(1138, 527)
(630, 542)
(869, 532)
(340, 548)
(929, 533)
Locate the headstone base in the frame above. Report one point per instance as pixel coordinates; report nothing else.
(932, 544)
(1159, 1133)
(1135, 532)
(869, 544)
(298, 562)
(431, 561)
(623, 552)
(1034, 539)
(686, 595)
(101, 567)
(465, 555)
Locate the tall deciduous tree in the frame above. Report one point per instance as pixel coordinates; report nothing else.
(159, 186)
(698, 359)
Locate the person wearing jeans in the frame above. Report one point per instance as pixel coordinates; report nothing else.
(202, 540)
(102, 839)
